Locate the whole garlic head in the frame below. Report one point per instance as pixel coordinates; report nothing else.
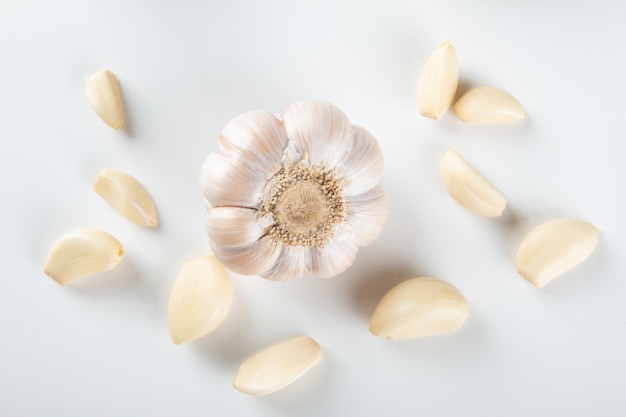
(293, 195)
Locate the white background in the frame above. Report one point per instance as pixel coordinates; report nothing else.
(100, 346)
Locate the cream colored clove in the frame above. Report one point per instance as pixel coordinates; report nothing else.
(488, 105)
(199, 300)
(278, 366)
(469, 188)
(127, 195)
(419, 307)
(105, 97)
(438, 82)
(554, 247)
(82, 252)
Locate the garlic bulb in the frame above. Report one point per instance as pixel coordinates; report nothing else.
(554, 247)
(278, 366)
(82, 252)
(419, 307)
(293, 195)
(488, 105)
(438, 82)
(200, 299)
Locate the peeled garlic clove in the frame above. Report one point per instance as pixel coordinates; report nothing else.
(554, 247)
(419, 307)
(82, 252)
(277, 366)
(200, 299)
(438, 82)
(469, 188)
(105, 97)
(127, 195)
(488, 105)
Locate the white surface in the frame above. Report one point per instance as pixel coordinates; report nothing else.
(100, 347)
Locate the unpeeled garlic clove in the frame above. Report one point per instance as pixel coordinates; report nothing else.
(554, 247)
(419, 307)
(105, 97)
(200, 299)
(438, 82)
(469, 188)
(127, 195)
(277, 366)
(82, 252)
(488, 105)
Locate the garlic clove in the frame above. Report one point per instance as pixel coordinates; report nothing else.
(232, 180)
(233, 226)
(259, 134)
(419, 307)
(333, 258)
(554, 247)
(293, 263)
(82, 252)
(252, 259)
(368, 215)
(200, 299)
(438, 82)
(320, 131)
(277, 366)
(362, 166)
(105, 97)
(127, 195)
(488, 105)
(469, 188)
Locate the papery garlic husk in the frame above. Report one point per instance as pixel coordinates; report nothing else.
(554, 247)
(82, 252)
(438, 82)
(127, 195)
(199, 300)
(469, 188)
(105, 97)
(419, 307)
(488, 105)
(277, 366)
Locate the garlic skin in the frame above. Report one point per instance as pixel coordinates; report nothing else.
(438, 82)
(553, 248)
(199, 300)
(488, 105)
(82, 252)
(293, 195)
(419, 307)
(105, 97)
(278, 366)
(469, 188)
(127, 195)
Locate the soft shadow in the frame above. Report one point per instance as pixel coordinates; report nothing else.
(463, 87)
(117, 280)
(468, 341)
(224, 345)
(374, 283)
(128, 127)
(509, 219)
